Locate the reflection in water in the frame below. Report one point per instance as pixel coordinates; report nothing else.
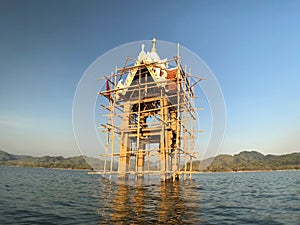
(138, 199)
(146, 202)
(122, 208)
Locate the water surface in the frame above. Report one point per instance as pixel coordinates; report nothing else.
(46, 196)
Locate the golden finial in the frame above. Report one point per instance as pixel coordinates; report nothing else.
(153, 45)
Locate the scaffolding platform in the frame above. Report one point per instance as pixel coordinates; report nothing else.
(150, 118)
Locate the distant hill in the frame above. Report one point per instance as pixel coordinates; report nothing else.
(243, 161)
(4, 156)
(77, 162)
(247, 160)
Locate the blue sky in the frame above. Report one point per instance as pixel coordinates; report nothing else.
(253, 48)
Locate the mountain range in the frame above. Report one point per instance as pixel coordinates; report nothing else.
(248, 161)
(77, 162)
(244, 161)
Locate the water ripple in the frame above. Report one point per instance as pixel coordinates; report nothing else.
(44, 196)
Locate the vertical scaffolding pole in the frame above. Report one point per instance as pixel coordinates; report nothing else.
(175, 159)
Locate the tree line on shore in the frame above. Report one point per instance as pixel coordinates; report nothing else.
(248, 161)
(243, 161)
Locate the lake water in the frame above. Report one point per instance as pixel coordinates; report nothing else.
(45, 196)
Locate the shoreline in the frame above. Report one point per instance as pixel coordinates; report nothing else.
(244, 171)
(193, 172)
(54, 168)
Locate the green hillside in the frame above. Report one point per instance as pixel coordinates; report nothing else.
(246, 160)
(77, 162)
(243, 161)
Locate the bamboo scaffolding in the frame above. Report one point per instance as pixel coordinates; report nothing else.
(154, 130)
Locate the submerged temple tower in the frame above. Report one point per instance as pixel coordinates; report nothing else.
(151, 117)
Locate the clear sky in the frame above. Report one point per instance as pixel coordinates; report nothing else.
(253, 48)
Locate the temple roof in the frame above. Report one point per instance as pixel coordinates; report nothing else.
(158, 69)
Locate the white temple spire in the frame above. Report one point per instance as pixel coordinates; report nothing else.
(153, 45)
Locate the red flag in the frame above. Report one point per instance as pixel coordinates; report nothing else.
(107, 94)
